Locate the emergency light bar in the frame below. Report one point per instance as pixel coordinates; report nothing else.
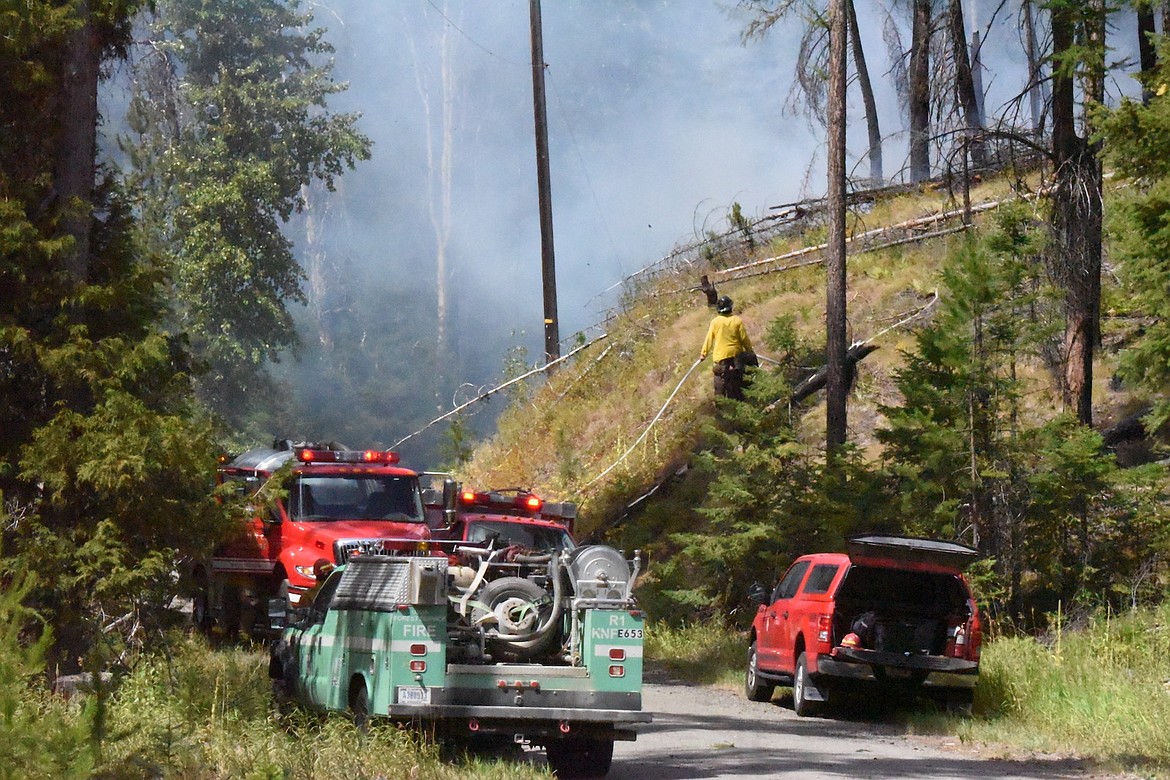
(523, 500)
(381, 457)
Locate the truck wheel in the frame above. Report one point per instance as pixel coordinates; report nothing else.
(576, 759)
(514, 601)
(755, 688)
(801, 705)
(359, 705)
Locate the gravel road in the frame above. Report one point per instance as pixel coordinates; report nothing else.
(701, 732)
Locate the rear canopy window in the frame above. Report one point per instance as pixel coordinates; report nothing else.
(821, 578)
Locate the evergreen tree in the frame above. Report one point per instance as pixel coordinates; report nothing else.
(103, 461)
(969, 459)
(229, 125)
(1137, 145)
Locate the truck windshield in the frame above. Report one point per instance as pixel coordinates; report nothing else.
(325, 497)
(533, 537)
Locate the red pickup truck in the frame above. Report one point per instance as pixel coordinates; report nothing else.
(893, 614)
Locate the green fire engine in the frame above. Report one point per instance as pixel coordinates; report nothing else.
(552, 658)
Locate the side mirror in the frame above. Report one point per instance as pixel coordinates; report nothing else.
(450, 496)
(758, 593)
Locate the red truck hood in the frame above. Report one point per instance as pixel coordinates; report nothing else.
(365, 529)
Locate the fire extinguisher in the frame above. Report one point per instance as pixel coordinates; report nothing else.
(960, 649)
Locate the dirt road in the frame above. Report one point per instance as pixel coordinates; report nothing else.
(701, 732)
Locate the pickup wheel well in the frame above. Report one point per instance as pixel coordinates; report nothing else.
(359, 702)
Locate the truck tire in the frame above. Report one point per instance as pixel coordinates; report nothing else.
(577, 759)
(801, 704)
(359, 705)
(755, 688)
(512, 598)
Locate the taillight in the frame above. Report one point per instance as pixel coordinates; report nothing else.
(418, 649)
(418, 666)
(617, 670)
(617, 654)
(824, 628)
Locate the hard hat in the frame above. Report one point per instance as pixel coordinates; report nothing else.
(321, 568)
(723, 306)
(851, 640)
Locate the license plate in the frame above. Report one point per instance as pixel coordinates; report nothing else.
(412, 695)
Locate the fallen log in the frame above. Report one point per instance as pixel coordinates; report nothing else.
(856, 353)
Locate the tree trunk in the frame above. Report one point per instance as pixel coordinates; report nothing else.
(1036, 96)
(73, 173)
(1147, 55)
(1077, 206)
(836, 382)
(965, 86)
(871, 116)
(920, 92)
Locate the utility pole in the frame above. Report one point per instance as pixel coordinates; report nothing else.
(552, 338)
(836, 385)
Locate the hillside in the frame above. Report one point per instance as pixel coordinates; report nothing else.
(567, 437)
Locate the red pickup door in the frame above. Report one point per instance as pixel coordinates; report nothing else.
(892, 615)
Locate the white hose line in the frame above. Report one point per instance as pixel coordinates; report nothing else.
(648, 427)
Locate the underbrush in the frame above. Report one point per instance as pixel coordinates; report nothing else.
(1100, 691)
(197, 713)
(706, 652)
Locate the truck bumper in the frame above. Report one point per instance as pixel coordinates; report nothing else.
(874, 666)
(533, 722)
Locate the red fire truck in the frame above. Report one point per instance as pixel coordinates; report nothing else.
(312, 505)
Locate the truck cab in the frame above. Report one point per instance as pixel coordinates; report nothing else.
(307, 506)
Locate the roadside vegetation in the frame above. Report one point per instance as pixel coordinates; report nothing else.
(188, 710)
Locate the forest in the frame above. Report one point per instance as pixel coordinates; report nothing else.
(158, 269)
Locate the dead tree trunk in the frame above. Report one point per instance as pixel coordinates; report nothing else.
(1036, 90)
(965, 86)
(920, 92)
(1075, 261)
(863, 82)
(1147, 55)
(837, 387)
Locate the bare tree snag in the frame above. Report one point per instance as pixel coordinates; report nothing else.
(920, 91)
(867, 97)
(835, 316)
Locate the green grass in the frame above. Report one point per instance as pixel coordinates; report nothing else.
(1101, 691)
(200, 713)
(707, 653)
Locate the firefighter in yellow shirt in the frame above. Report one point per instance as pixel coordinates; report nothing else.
(727, 340)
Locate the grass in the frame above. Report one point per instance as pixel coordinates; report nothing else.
(1102, 688)
(707, 653)
(200, 713)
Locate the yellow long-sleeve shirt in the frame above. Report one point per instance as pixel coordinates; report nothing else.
(726, 338)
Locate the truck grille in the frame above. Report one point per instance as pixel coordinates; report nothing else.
(344, 548)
